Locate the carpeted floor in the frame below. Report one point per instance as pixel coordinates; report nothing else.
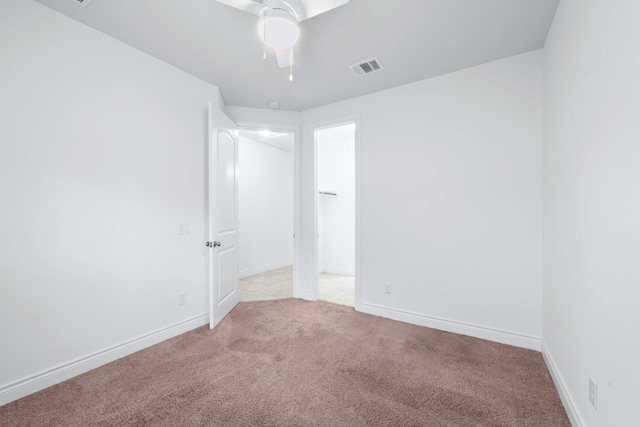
(295, 363)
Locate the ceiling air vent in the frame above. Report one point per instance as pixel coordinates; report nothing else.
(82, 3)
(369, 66)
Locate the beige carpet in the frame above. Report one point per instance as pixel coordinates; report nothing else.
(294, 363)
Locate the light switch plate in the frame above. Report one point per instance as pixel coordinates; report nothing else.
(184, 227)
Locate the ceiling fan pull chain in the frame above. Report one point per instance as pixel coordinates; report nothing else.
(264, 36)
(291, 64)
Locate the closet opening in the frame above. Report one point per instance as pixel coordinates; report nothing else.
(336, 210)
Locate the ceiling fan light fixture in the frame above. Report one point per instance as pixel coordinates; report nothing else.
(278, 28)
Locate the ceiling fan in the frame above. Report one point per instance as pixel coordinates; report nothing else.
(278, 22)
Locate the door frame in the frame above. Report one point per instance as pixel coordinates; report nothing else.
(313, 260)
(295, 130)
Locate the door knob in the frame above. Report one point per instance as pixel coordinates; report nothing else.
(216, 244)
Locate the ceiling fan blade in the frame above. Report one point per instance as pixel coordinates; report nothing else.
(252, 6)
(284, 57)
(306, 9)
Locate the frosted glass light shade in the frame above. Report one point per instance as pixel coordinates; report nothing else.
(278, 29)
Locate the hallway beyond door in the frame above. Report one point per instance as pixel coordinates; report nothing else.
(277, 284)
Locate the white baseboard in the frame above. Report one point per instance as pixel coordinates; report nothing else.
(569, 404)
(266, 267)
(21, 388)
(307, 296)
(504, 337)
(338, 270)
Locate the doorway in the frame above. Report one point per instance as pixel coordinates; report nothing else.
(266, 212)
(336, 212)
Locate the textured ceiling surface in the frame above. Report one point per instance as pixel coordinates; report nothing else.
(413, 39)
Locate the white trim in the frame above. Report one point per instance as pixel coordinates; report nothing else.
(504, 337)
(297, 211)
(17, 389)
(338, 270)
(569, 405)
(358, 211)
(264, 268)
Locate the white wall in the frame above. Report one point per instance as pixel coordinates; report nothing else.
(451, 199)
(266, 207)
(336, 214)
(271, 119)
(592, 210)
(102, 154)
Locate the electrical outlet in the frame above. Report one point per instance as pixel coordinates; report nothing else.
(387, 288)
(593, 393)
(182, 298)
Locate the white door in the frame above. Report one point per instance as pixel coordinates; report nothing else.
(224, 294)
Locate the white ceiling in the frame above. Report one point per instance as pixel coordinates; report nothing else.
(414, 40)
(283, 141)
